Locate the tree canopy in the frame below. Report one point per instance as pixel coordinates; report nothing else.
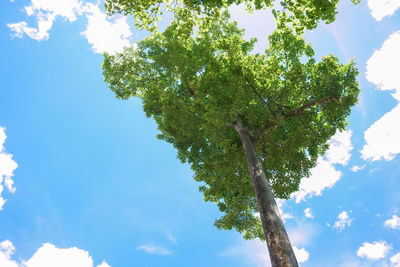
(196, 85)
(304, 13)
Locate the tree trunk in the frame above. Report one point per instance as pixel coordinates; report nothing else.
(279, 247)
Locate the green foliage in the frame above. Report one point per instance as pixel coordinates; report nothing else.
(303, 13)
(194, 86)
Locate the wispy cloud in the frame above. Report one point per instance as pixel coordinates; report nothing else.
(393, 223)
(308, 213)
(151, 249)
(250, 252)
(343, 221)
(356, 168)
(172, 238)
(303, 234)
(45, 12)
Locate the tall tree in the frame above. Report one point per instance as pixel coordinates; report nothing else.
(212, 99)
(305, 13)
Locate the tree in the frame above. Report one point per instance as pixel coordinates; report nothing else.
(304, 13)
(211, 98)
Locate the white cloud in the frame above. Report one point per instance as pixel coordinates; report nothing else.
(46, 12)
(393, 223)
(356, 168)
(45, 22)
(382, 69)
(343, 221)
(3, 138)
(7, 168)
(324, 175)
(339, 148)
(103, 33)
(103, 264)
(6, 250)
(151, 249)
(395, 260)
(302, 254)
(308, 213)
(48, 256)
(67, 9)
(382, 8)
(373, 251)
(382, 137)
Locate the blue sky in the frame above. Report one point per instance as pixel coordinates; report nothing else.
(84, 181)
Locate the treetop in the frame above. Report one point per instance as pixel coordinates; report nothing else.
(303, 14)
(196, 85)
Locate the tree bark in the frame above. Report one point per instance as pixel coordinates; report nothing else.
(279, 247)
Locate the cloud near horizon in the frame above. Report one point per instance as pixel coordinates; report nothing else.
(48, 255)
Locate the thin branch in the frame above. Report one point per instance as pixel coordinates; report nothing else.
(153, 80)
(305, 125)
(311, 104)
(255, 91)
(272, 124)
(262, 99)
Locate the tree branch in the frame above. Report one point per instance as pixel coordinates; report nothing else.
(274, 123)
(259, 96)
(254, 90)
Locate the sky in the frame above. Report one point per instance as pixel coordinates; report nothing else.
(85, 182)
